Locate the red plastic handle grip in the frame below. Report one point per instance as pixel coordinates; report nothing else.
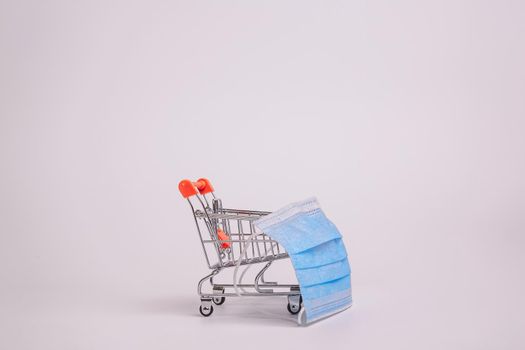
(188, 188)
(199, 184)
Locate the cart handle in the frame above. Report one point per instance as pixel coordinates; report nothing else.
(188, 188)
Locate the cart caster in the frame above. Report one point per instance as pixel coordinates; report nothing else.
(294, 304)
(218, 300)
(206, 310)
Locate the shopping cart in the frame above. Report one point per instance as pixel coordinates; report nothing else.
(230, 240)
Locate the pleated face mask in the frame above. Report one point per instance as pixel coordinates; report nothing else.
(318, 255)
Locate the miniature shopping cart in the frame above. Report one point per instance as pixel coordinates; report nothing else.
(230, 240)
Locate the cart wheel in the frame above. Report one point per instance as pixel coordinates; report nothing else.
(293, 309)
(206, 310)
(219, 300)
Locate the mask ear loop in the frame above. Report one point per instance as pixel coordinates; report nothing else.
(242, 276)
(238, 264)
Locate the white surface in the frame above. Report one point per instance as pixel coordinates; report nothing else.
(405, 120)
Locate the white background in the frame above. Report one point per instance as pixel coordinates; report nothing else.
(404, 118)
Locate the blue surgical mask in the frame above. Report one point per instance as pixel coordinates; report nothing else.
(318, 255)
